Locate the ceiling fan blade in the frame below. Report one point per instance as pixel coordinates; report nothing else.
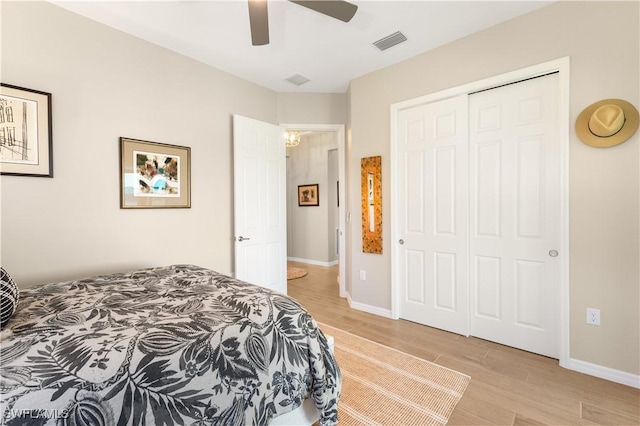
(259, 22)
(341, 10)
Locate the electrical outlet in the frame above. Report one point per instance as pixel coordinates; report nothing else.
(593, 316)
(363, 275)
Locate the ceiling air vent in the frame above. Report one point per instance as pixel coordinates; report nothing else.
(298, 79)
(390, 40)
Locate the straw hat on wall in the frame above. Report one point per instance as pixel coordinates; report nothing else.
(607, 123)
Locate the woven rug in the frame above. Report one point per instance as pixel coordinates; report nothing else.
(383, 386)
(293, 273)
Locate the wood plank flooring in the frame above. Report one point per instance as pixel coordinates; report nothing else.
(508, 386)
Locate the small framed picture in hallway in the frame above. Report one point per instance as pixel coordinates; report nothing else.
(308, 195)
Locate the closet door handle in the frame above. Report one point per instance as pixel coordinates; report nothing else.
(241, 238)
(401, 241)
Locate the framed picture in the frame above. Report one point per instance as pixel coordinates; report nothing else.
(308, 195)
(26, 144)
(154, 175)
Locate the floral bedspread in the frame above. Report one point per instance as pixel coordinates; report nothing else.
(177, 345)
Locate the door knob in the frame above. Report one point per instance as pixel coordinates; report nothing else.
(553, 253)
(241, 238)
(401, 241)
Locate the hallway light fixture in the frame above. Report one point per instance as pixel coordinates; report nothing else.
(291, 138)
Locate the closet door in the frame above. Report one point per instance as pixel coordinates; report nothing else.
(515, 215)
(433, 223)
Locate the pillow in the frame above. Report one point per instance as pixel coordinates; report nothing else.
(9, 296)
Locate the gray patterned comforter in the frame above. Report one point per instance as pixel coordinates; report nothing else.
(178, 345)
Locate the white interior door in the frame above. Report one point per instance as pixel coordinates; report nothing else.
(515, 215)
(479, 214)
(260, 217)
(433, 222)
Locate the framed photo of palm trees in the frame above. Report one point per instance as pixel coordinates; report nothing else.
(154, 175)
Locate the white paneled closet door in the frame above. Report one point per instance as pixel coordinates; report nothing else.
(515, 215)
(479, 190)
(433, 198)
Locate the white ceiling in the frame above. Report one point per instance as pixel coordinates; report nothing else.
(327, 51)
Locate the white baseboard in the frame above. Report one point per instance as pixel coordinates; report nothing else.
(368, 308)
(312, 262)
(606, 373)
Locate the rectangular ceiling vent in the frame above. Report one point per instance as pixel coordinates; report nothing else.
(298, 79)
(390, 40)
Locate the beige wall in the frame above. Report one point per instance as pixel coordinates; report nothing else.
(312, 108)
(602, 41)
(106, 84)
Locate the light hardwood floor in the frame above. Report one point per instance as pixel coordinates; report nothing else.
(508, 386)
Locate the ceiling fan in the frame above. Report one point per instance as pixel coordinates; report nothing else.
(259, 19)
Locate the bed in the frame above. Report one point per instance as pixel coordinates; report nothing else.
(175, 345)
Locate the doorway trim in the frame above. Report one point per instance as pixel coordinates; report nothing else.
(561, 66)
(342, 199)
